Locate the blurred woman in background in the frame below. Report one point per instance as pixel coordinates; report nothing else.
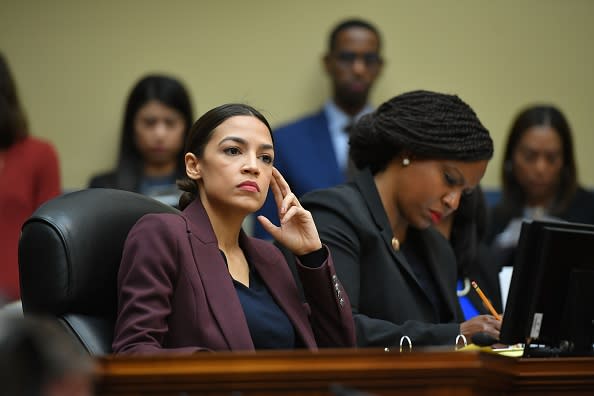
(539, 179)
(29, 176)
(156, 122)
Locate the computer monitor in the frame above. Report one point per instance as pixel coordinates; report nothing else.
(550, 306)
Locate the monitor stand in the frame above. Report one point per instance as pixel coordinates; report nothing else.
(577, 326)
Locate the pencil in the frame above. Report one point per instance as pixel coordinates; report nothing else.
(486, 301)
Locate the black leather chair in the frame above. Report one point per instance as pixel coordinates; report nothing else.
(69, 254)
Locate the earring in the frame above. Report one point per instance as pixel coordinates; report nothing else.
(405, 162)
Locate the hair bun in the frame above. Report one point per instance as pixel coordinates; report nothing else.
(190, 192)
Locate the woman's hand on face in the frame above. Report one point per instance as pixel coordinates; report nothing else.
(481, 324)
(297, 231)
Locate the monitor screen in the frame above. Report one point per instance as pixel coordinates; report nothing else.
(551, 296)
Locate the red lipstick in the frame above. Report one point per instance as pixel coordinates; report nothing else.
(435, 216)
(249, 186)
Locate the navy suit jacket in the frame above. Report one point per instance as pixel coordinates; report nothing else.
(387, 298)
(175, 293)
(304, 155)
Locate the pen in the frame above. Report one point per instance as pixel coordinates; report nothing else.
(486, 301)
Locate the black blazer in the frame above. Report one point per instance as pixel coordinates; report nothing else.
(128, 179)
(388, 300)
(107, 180)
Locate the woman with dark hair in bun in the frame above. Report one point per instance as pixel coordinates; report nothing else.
(195, 281)
(416, 155)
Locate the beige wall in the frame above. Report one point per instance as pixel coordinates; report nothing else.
(75, 61)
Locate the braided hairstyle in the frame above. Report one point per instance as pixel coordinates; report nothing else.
(426, 125)
(200, 135)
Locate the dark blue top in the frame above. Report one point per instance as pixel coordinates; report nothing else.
(269, 325)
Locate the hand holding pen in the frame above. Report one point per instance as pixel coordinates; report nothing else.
(488, 325)
(486, 301)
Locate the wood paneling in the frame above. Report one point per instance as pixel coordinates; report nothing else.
(368, 370)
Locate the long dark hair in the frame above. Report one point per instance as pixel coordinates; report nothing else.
(427, 124)
(13, 122)
(166, 90)
(200, 135)
(514, 197)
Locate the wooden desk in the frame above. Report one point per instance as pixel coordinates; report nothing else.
(369, 370)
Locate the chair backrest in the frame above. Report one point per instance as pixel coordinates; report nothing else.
(69, 254)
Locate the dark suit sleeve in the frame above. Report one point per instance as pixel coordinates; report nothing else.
(339, 233)
(331, 316)
(146, 277)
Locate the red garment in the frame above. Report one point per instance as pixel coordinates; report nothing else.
(29, 176)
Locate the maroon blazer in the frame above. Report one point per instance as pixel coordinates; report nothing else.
(175, 293)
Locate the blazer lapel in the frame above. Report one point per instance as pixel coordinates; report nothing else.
(216, 281)
(366, 185)
(281, 286)
(445, 280)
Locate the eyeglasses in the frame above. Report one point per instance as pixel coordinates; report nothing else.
(347, 58)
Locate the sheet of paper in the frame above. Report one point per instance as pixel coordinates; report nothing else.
(505, 276)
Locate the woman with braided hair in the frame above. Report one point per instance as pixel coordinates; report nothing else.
(416, 155)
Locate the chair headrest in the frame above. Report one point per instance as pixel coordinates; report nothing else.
(70, 250)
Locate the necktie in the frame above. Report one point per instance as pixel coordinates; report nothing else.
(351, 169)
